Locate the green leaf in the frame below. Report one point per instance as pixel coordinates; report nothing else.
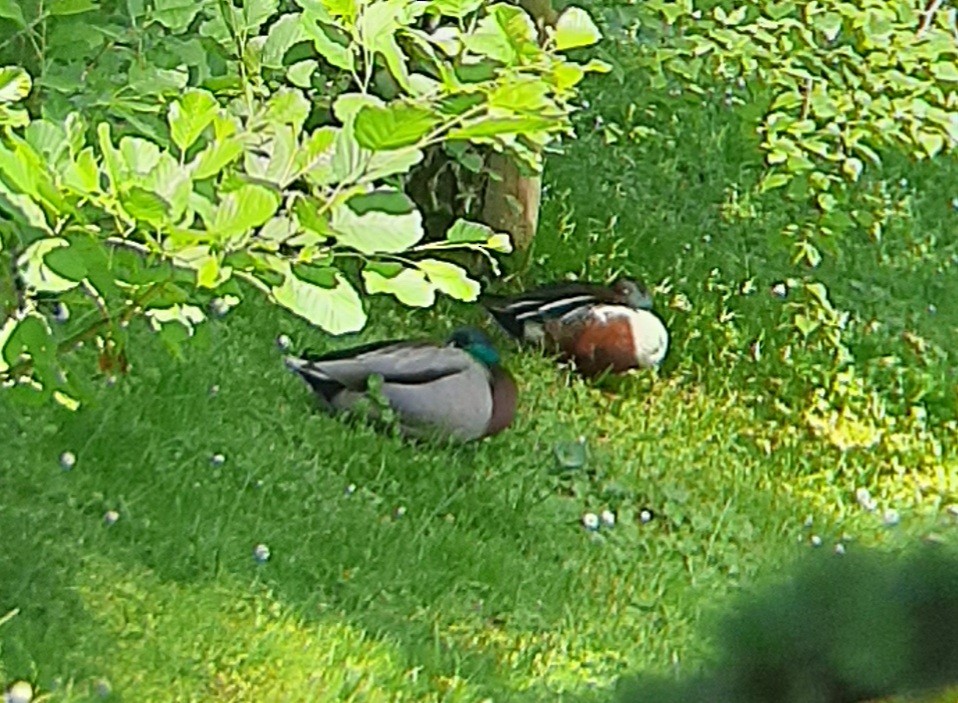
(283, 33)
(35, 271)
(386, 222)
(348, 105)
(83, 174)
(62, 8)
(491, 127)
(337, 54)
(521, 95)
(500, 243)
(190, 115)
(450, 279)
(392, 127)
(575, 29)
(316, 155)
(145, 206)
(852, 167)
(208, 272)
(772, 181)
(931, 142)
(31, 336)
(64, 261)
(274, 158)
(140, 155)
(10, 10)
(829, 24)
(240, 211)
(945, 71)
(409, 286)
(301, 73)
(215, 157)
(466, 231)
(186, 315)
(175, 15)
(488, 39)
(15, 84)
(288, 106)
(173, 182)
(388, 163)
(455, 8)
(337, 309)
(26, 172)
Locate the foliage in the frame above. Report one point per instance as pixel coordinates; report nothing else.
(840, 630)
(831, 83)
(184, 148)
(831, 89)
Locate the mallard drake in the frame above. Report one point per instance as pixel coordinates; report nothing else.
(458, 390)
(600, 328)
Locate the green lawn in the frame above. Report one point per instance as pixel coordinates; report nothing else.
(440, 573)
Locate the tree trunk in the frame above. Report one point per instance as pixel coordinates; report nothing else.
(511, 201)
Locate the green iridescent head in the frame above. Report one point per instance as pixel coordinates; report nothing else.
(477, 343)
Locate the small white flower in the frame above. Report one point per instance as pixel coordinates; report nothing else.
(19, 692)
(102, 688)
(590, 521)
(68, 460)
(646, 515)
(284, 342)
(217, 460)
(953, 510)
(261, 553)
(110, 517)
(891, 517)
(839, 549)
(61, 313)
(219, 307)
(780, 290)
(608, 518)
(214, 390)
(748, 286)
(399, 512)
(809, 520)
(756, 350)
(815, 541)
(350, 489)
(932, 308)
(954, 203)
(903, 182)
(865, 500)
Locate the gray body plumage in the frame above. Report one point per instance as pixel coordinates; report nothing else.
(429, 387)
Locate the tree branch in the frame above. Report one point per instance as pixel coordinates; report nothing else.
(928, 17)
(24, 367)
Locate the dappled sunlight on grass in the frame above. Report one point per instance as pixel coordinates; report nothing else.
(168, 641)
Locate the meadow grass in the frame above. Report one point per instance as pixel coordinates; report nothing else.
(415, 572)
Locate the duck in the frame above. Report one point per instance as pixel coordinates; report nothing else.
(601, 329)
(459, 390)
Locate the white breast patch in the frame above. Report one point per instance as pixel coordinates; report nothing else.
(649, 336)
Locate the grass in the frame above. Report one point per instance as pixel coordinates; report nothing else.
(463, 573)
